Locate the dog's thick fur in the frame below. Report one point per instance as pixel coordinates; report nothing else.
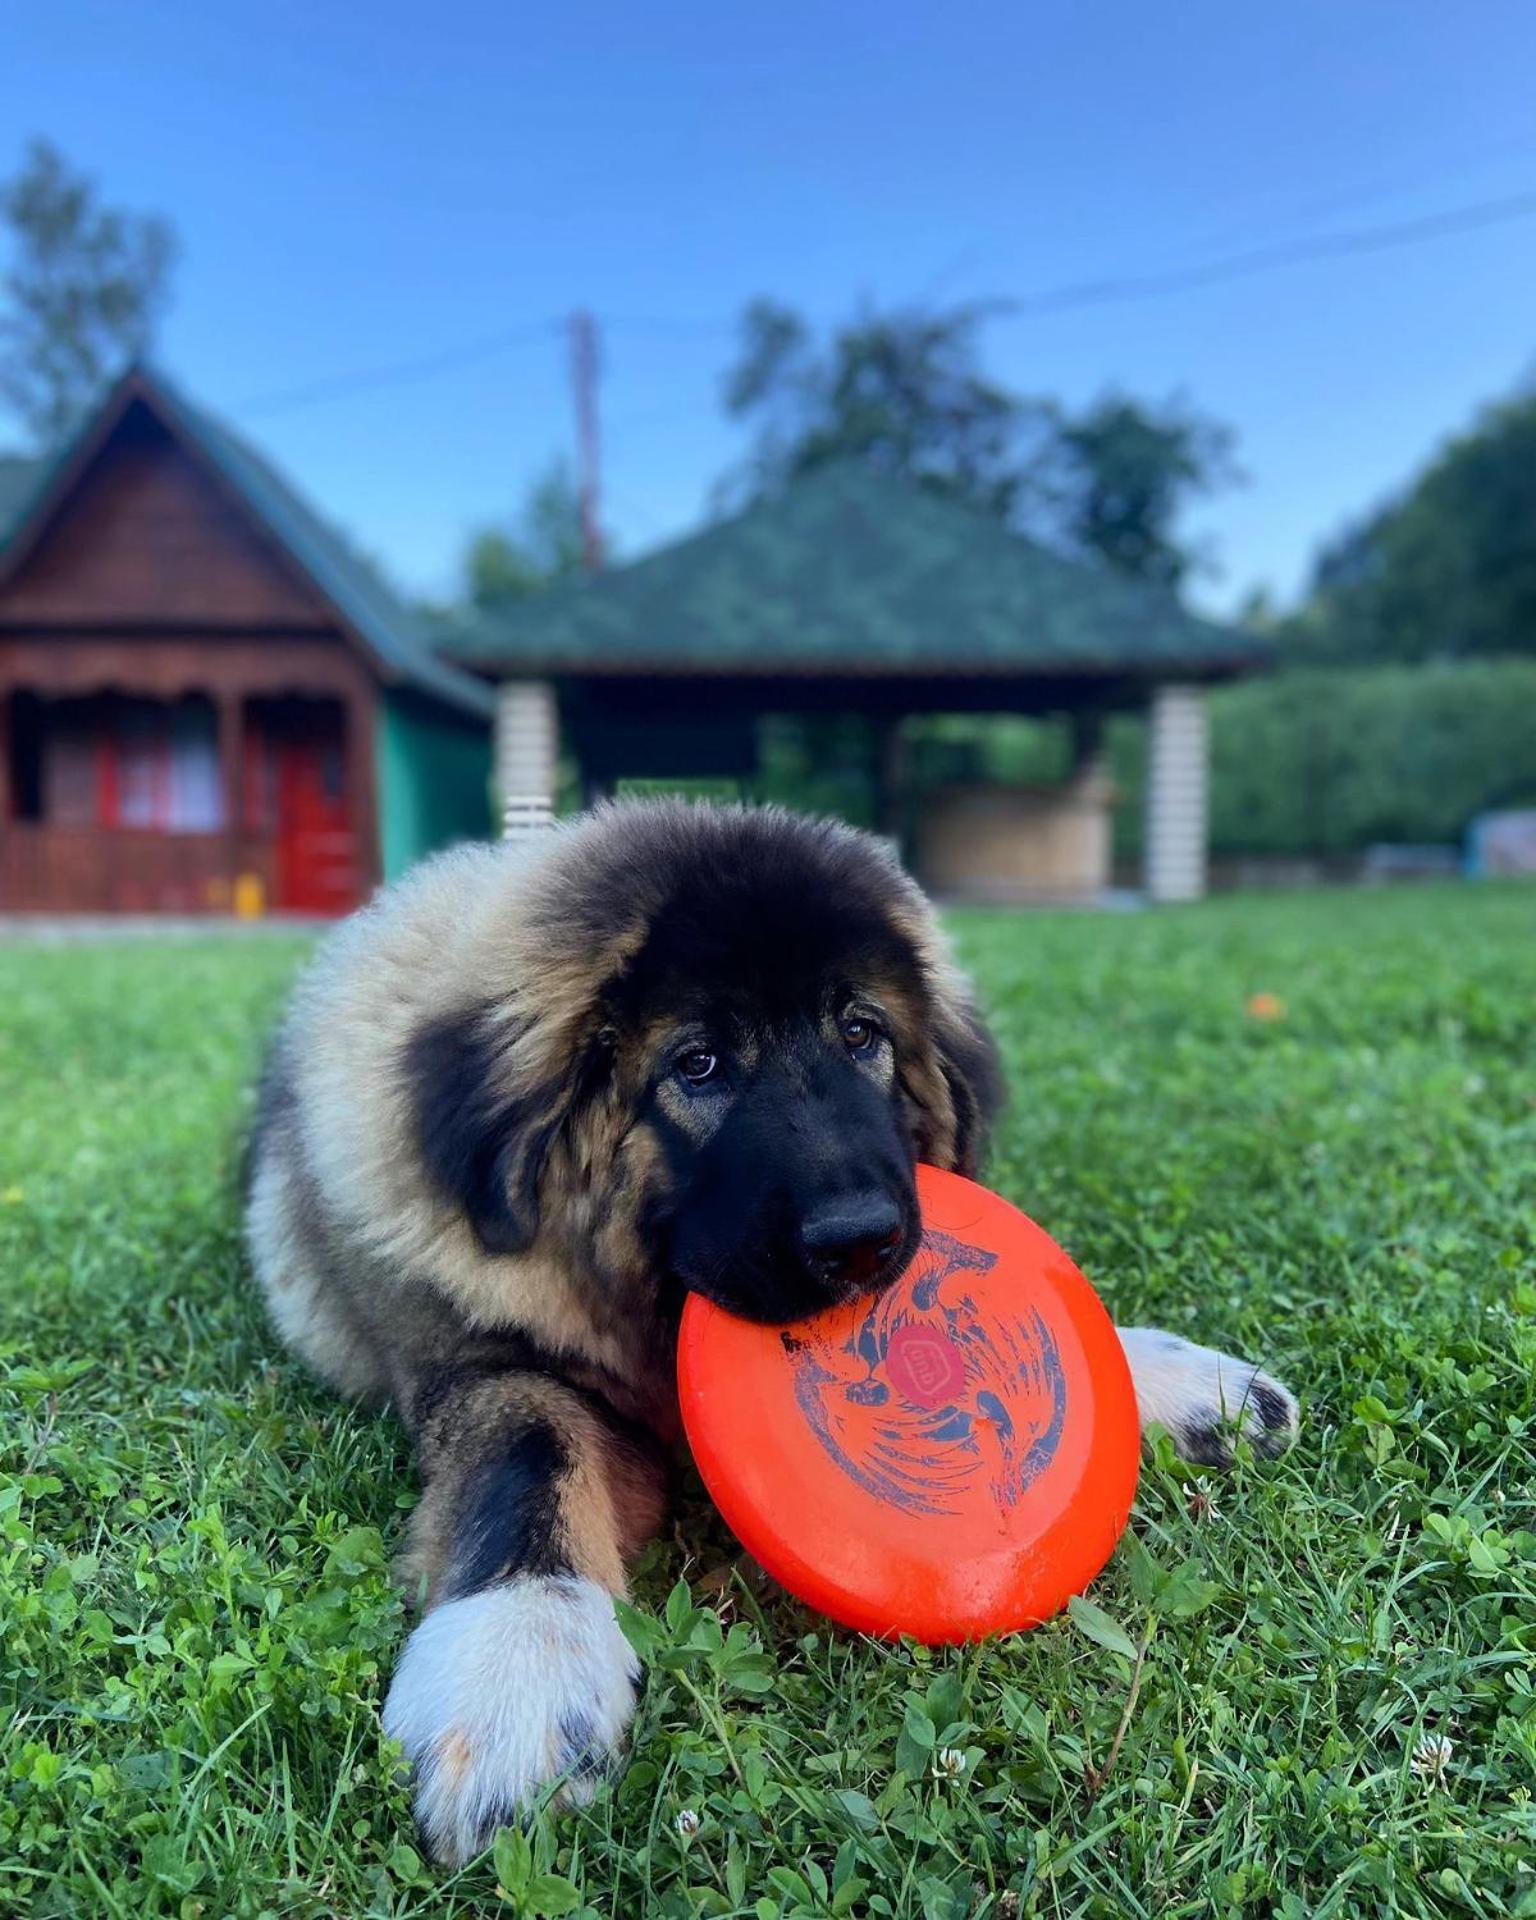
(519, 1106)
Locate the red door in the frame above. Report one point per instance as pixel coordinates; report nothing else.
(316, 841)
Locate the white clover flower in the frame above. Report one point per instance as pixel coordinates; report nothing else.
(688, 1823)
(1432, 1757)
(948, 1763)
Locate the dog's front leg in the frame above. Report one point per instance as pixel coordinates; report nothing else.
(517, 1676)
(1203, 1397)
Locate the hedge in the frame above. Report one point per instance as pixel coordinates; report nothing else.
(1309, 761)
(1331, 760)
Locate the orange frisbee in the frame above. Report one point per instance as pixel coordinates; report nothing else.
(951, 1458)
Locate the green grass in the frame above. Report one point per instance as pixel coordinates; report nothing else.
(196, 1615)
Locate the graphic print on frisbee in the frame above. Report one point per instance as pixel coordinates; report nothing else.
(925, 1398)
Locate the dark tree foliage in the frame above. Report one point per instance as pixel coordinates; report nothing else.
(902, 390)
(1129, 469)
(539, 549)
(82, 289)
(1447, 569)
(906, 391)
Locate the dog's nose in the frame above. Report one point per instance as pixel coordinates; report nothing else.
(846, 1240)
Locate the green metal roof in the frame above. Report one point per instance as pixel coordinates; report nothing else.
(849, 571)
(399, 640)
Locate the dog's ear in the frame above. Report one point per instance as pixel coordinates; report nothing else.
(483, 1147)
(967, 1061)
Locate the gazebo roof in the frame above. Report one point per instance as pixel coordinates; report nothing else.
(852, 572)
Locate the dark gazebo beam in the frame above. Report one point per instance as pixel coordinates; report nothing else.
(885, 696)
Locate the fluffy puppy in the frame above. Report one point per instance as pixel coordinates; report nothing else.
(519, 1107)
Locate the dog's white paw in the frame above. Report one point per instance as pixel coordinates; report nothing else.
(1202, 1396)
(499, 1694)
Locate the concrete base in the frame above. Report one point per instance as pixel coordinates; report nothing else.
(1018, 846)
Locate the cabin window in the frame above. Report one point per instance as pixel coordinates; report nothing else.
(137, 767)
(196, 801)
(148, 765)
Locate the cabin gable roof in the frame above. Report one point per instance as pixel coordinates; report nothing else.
(325, 568)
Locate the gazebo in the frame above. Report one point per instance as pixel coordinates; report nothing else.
(853, 591)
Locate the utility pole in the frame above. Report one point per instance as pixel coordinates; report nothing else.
(584, 369)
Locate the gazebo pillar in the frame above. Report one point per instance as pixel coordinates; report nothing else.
(891, 781)
(1089, 757)
(1177, 783)
(527, 755)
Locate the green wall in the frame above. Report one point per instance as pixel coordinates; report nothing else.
(434, 774)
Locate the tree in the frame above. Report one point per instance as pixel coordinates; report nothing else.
(903, 391)
(1128, 472)
(1259, 611)
(906, 392)
(1448, 568)
(540, 548)
(83, 287)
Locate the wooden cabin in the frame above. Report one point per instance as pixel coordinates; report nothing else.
(208, 701)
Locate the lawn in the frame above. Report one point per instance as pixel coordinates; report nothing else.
(1336, 1703)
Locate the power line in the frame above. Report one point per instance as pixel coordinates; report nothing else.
(1402, 233)
(426, 367)
(1350, 201)
(677, 327)
(1078, 294)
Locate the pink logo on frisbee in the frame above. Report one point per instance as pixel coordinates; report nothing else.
(923, 1363)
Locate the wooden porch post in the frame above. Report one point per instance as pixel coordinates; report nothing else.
(231, 710)
(1177, 780)
(527, 756)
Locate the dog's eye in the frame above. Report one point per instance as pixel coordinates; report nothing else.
(859, 1035)
(698, 1066)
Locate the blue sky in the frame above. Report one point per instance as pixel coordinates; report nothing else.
(359, 187)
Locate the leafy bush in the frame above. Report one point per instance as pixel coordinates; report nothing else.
(1310, 761)
(1328, 760)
